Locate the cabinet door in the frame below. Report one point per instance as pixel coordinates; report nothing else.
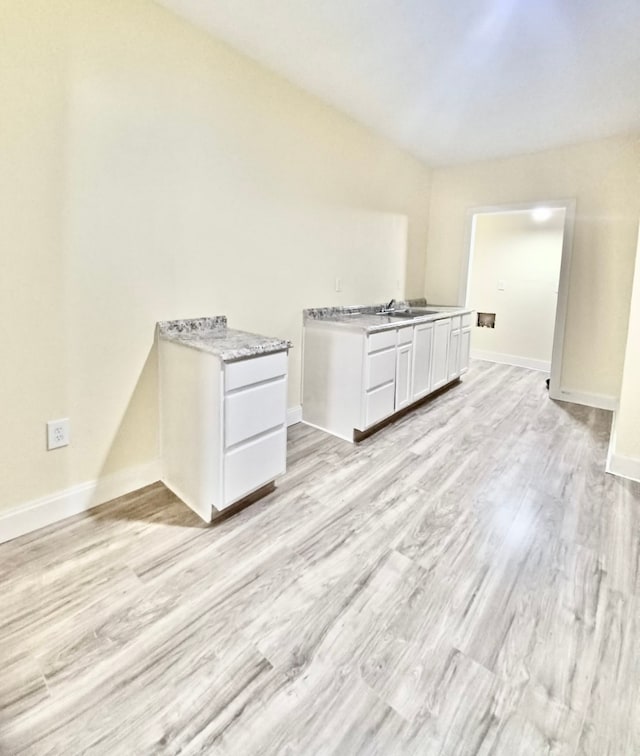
(381, 368)
(454, 355)
(422, 347)
(465, 349)
(403, 376)
(439, 363)
(379, 404)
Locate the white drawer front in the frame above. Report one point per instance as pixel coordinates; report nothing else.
(405, 335)
(382, 340)
(254, 464)
(254, 410)
(254, 370)
(466, 320)
(381, 368)
(455, 322)
(379, 404)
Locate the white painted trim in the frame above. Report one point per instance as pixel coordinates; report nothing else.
(330, 432)
(74, 500)
(618, 464)
(511, 359)
(599, 401)
(624, 467)
(569, 206)
(294, 415)
(557, 351)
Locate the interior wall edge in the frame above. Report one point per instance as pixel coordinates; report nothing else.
(621, 465)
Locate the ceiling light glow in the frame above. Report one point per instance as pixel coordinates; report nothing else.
(541, 214)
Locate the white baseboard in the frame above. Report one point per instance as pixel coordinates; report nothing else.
(600, 401)
(294, 415)
(512, 359)
(330, 432)
(619, 464)
(624, 467)
(74, 500)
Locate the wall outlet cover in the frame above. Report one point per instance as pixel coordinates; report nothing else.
(57, 433)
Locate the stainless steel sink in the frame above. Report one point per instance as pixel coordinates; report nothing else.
(410, 313)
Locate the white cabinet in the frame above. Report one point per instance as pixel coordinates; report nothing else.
(454, 348)
(454, 355)
(440, 355)
(353, 380)
(465, 349)
(422, 350)
(403, 376)
(381, 368)
(223, 425)
(254, 421)
(379, 403)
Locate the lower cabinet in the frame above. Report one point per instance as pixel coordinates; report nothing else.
(454, 355)
(465, 349)
(223, 425)
(403, 376)
(440, 355)
(379, 403)
(422, 351)
(353, 380)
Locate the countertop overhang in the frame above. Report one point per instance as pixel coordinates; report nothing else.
(212, 335)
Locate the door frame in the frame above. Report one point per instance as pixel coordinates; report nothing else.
(569, 206)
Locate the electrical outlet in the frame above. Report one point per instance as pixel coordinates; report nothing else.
(338, 284)
(57, 433)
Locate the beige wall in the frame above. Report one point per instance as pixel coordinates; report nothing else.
(627, 436)
(149, 172)
(515, 271)
(603, 178)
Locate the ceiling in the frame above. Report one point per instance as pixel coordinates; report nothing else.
(450, 81)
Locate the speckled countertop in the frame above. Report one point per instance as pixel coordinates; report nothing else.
(212, 335)
(364, 318)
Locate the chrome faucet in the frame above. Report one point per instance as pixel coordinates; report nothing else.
(391, 305)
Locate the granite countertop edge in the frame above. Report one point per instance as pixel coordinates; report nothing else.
(363, 318)
(213, 336)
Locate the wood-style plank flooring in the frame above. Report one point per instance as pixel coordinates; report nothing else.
(466, 581)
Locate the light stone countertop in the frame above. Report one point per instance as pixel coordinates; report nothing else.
(364, 318)
(213, 336)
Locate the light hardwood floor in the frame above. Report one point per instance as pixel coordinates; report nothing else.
(467, 581)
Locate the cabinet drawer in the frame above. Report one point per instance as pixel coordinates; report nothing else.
(466, 320)
(254, 370)
(254, 410)
(254, 464)
(405, 335)
(382, 340)
(455, 322)
(381, 368)
(379, 404)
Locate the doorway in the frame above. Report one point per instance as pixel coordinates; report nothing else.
(516, 278)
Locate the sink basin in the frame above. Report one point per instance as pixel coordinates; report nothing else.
(410, 313)
(396, 314)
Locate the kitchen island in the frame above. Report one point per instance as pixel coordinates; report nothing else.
(364, 364)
